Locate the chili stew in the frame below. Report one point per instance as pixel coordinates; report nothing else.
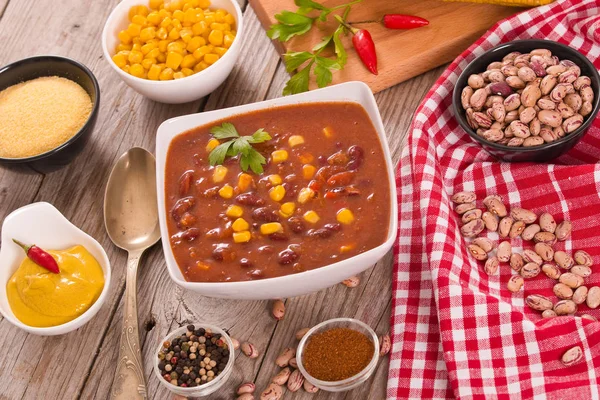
(322, 197)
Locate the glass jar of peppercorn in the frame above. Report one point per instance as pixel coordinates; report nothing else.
(338, 354)
(194, 360)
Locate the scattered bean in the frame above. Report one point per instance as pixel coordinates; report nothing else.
(572, 356)
(562, 291)
(284, 358)
(593, 297)
(247, 387)
(539, 302)
(282, 377)
(295, 381)
(278, 310)
(530, 231)
(351, 282)
(580, 295)
(272, 392)
(249, 350)
(551, 271)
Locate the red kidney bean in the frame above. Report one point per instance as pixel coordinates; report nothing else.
(290, 178)
(339, 158)
(335, 227)
(321, 233)
(355, 152)
(322, 160)
(267, 249)
(185, 182)
(291, 190)
(212, 192)
(188, 235)
(265, 214)
(279, 236)
(181, 207)
(187, 220)
(296, 224)
(334, 193)
(223, 252)
(250, 199)
(315, 185)
(341, 179)
(287, 256)
(245, 263)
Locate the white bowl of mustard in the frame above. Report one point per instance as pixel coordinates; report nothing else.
(43, 225)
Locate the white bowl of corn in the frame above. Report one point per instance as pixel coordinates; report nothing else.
(175, 51)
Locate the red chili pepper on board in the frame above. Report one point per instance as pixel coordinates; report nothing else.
(40, 257)
(402, 21)
(365, 47)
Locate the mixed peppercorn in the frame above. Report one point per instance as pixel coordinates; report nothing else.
(194, 358)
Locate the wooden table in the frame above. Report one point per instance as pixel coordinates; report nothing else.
(82, 364)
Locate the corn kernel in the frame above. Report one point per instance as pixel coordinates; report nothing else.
(311, 217)
(305, 195)
(132, 12)
(199, 28)
(156, 4)
(134, 29)
(139, 20)
(228, 41)
(215, 38)
(154, 72)
(178, 75)
(220, 51)
(277, 193)
(212, 143)
(187, 71)
(295, 140)
(306, 158)
(328, 132)
(270, 227)
(120, 60)
(210, 59)
(174, 34)
(174, 59)
(200, 66)
(345, 216)
(175, 47)
(154, 18)
(346, 248)
(202, 266)
(161, 58)
(147, 48)
(240, 225)
(195, 43)
(279, 156)
(203, 3)
(147, 34)
(166, 74)
(136, 45)
(234, 211)
(308, 171)
(136, 70)
(135, 57)
(287, 209)
(242, 237)
(275, 179)
(219, 173)
(124, 47)
(162, 33)
(148, 62)
(226, 191)
(188, 61)
(124, 37)
(244, 181)
(126, 69)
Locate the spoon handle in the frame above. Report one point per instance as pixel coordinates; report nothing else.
(129, 380)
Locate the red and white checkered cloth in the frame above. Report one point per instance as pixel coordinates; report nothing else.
(456, 332)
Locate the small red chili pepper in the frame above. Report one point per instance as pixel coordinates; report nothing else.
(363, 44)
(402, 21)
(365, 47)
(40, 257)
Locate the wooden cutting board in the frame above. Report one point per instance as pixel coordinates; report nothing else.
(402, 54)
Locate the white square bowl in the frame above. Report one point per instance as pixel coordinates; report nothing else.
(294, 284)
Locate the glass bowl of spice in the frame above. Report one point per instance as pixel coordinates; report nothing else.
(338, 354)
(194, 360)
(48, 108)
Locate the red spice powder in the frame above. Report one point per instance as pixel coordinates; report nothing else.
(337, 354)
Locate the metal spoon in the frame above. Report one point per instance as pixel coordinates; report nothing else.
(131, 220)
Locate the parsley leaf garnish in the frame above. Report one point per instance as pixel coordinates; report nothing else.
(238, 145)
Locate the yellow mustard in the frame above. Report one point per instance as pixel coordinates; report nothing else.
(41, 298)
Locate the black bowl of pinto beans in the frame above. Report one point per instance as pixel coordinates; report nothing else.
(527, 100)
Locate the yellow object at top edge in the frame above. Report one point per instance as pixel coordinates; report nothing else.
(514, 3)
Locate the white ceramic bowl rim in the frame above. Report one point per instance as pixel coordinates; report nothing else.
(353, 378)
(218, 381)
(90, 312)
(119, 11)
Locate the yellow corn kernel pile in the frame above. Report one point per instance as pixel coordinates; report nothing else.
(515, 3)
(173, 40)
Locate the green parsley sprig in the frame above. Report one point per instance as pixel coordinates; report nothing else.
(238, 145)
(297, 23)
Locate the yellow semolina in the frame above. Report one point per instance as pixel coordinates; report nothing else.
(40, 115)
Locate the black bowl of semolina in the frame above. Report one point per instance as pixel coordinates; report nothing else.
(48, 109)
